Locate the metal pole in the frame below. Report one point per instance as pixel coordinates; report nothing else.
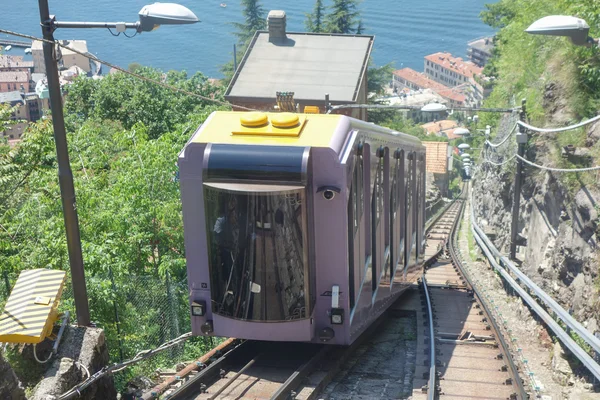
(521, 141)
(65, 176)
(234, 58)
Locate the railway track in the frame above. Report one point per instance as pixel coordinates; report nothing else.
(469, 358)
(463, 354)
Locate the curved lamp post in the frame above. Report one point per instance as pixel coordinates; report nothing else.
(150, 17)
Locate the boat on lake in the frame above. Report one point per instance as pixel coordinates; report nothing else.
(28, 50)
(7, 48)
(223, 5)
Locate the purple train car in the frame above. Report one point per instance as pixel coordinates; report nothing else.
(299, 227)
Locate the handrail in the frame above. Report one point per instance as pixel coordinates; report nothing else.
(571, 322)
(564, 337)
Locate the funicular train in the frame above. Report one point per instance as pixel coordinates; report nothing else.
(299, 227)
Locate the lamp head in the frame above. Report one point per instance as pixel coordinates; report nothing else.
(461, 132)
(434, 107)
(154, 15)
(562, 25)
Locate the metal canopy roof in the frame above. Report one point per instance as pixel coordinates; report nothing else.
(308, 64)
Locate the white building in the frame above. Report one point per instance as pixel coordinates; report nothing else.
(68, 58)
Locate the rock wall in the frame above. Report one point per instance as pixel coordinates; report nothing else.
(561, 226)
(79, 347)
(10, 387)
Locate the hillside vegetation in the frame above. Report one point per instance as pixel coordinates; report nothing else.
(560, 81)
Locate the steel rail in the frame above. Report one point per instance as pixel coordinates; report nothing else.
(432, 388)
(285, 390)
(560, 312)
(505, 348)
(194, 383)
(431, 385)
(563, 336)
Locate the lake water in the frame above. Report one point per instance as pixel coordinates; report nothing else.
(405, 30)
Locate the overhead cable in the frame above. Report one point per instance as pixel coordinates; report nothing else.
(563, 129)
(495, 145)
(138, 76)
(501, 163)
(557, 169)
(142, 355)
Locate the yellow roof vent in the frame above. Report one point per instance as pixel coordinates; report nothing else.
(254, 119)
(312, 110)
(285, 120)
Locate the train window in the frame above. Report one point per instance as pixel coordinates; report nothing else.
(355, 212)
(258, 254)
(376, 214)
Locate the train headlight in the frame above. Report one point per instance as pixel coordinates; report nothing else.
(337, 316)
(198, 308)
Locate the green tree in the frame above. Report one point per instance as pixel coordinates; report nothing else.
(343, 17)
(361, 28)
(127, 99)
(314, 21)
(254, 20)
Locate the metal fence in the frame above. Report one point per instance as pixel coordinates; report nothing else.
(136, 312)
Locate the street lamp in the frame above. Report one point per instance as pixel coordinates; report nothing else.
(150, 17)
(461, 132)
(574, 28)
(465, 155)
(464, 146)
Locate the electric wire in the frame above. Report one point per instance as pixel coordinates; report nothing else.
(555, 130)
(495, 145)
(138, 76)
(557, 169)
(37, 358)
(500, 163)
(142, 355)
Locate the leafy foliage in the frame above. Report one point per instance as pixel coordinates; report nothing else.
(314, 21)
(343, 17)
(124, 137)
(123, 98)
(254, 20)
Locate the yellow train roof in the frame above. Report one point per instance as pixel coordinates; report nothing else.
(282, 129)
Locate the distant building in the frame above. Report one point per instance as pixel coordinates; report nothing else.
(437, 155)
(14, 63)
(458, 73)
(68, 58)
(15, 98)
(449, 70)
(15, 80)
(417, 99)
(309, 64)
(414, 80)
(444, 127)
(480, 50)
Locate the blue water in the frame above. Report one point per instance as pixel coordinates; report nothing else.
(405, 30)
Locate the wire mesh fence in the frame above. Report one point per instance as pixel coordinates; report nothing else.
(136, 312)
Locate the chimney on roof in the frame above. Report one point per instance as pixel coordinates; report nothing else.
(276, 21)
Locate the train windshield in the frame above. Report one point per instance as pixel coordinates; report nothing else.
(257, 251)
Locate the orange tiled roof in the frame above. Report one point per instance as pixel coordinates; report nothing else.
(455, 64)
(439, 126)
(437, 157)
(423, 82)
